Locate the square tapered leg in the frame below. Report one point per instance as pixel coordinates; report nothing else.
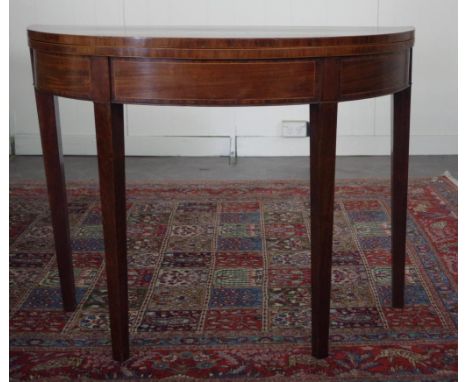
(111, 158)
(400, 156)
(323, 119)
(49, 124)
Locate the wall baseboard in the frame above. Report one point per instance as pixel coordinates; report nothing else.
(29, 144)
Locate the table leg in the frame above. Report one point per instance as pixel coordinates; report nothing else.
(400, 156)
(323, 119)
(49, 124)
(111, 158)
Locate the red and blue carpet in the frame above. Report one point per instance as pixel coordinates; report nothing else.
(219, 285)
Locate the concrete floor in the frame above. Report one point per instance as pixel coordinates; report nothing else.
(218, 168)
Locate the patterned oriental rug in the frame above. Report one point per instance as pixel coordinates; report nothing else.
(219, 285)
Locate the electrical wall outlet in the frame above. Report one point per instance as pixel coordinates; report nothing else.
(294, 129)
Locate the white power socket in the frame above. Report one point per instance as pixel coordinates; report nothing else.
(294, 129)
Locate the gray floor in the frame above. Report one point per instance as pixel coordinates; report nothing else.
(217, 168)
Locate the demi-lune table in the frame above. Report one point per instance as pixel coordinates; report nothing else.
(219, 66)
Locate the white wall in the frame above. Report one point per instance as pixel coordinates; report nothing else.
(363, 126)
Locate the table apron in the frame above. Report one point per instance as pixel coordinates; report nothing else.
(220, 82)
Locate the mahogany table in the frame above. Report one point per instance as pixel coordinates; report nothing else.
(219, 67)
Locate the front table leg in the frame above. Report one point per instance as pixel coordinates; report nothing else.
(111, 158)
(322, 188)
(49, 124)
(400, 156)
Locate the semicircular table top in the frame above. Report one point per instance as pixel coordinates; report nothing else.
(260, 41)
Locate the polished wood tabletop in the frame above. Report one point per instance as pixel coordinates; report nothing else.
(219, 66)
